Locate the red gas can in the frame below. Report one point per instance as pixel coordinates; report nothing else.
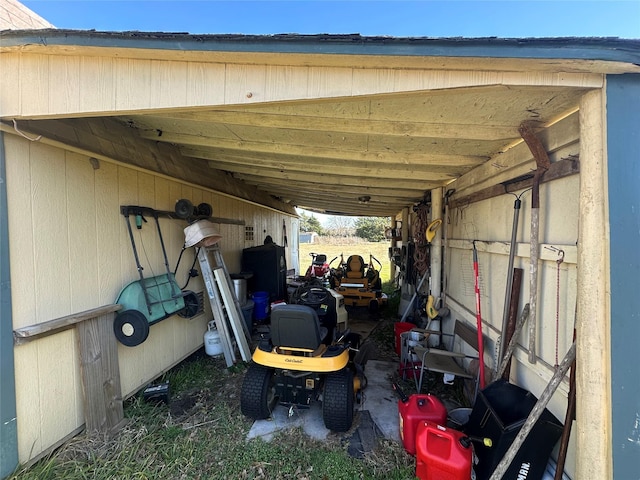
(414, 410)
(442, 453)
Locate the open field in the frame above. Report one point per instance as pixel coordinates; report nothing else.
(379, 250)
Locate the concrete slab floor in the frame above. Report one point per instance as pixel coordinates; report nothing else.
(379, 400)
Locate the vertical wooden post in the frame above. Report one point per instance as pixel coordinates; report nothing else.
(435, 252)
(593, 323)
(100, 368)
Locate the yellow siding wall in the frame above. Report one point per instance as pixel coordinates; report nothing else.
(85, 83)
(70, 252)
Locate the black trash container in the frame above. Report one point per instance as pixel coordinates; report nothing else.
(268, 265)
(499, 413)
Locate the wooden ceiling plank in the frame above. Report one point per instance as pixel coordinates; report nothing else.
(398, 172)
(282, 161)
(335, 153)
(404, 128)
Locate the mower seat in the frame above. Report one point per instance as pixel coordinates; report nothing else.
(320, 259)
(355, 267)
(296, 326)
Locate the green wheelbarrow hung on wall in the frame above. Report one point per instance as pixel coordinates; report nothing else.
(149, 300)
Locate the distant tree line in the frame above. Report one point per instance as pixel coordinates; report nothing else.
(369, 228)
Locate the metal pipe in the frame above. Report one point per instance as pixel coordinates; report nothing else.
(512, 253)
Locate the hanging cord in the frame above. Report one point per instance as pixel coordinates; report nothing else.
(192, 272)
(420, 255)
(31, 139)
(175, 270)
(558, 262)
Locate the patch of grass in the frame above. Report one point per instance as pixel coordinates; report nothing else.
(201, 434)
(379, 250)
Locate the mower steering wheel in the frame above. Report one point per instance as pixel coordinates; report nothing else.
(313, 295)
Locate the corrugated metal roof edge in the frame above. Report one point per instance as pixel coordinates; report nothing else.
(582, 48)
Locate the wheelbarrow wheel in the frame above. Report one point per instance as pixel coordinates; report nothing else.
(337, 400)
(258, 393)
(131, 328)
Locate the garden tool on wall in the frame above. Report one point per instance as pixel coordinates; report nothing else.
(150, 299)
(430, 309)
(430, 233)
(512, 253)
(542, 165)
(476, 277)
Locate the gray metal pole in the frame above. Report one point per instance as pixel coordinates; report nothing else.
(512, 253)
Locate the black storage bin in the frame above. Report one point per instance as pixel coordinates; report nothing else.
(269, 267)
(499, 413)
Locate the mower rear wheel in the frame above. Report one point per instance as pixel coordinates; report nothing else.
(258, 394)
(337, 400)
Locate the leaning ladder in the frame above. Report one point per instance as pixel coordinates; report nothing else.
(224, 305)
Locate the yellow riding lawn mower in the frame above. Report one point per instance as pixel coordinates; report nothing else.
(359, 283)
(297, 364)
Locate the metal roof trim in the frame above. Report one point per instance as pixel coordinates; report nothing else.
(576, 48)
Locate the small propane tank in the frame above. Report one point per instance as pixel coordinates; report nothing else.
(212, 345)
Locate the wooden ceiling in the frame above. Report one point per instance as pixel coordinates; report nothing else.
(366, 155)
(348, 131)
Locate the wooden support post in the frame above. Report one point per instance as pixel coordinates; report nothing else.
(102, 399)
(99, 366)
(435, 251)
(594, 429)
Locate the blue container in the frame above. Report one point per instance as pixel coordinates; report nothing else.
(261, 305)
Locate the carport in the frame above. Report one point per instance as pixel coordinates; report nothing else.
(351, 125)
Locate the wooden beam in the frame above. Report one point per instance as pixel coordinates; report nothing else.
(501, 167)
(301, 150)
(391, 196)
(318, 170)
(560, 169)
(266, 178)
(407, 128)
(310, 162)
(108, 140)
(32, 332)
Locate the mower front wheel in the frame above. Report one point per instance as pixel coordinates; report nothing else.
(337, 401)
(258, 394)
